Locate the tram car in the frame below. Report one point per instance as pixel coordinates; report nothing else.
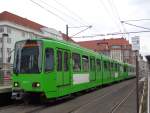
(53, 68)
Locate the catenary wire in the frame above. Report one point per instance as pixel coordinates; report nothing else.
(49, 11)
(71, 12)
(68, 16)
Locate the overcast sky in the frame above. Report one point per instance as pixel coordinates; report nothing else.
(103, 15)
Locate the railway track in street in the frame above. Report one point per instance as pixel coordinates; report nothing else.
(105, 104)
(119, 104)
(80, 104)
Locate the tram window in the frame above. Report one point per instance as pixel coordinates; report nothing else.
(85, 63)
(92, 64)
(98, 64)
(121, 68)
(49, 60)
(59, 60)
(108, 65)
(105, 65)
(76, 62)
(66, 59)
(112, 65)
(125, 69)
(116, 67)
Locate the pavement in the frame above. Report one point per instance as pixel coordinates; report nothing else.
(5, 89)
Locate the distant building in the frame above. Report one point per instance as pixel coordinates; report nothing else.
(118, 48)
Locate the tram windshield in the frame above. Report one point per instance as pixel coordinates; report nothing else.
(28, 57)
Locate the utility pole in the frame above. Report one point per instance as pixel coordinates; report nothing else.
(137, 80)
(136, 48)
(67, 30)
(148, 100)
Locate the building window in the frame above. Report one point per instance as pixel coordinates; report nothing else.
(1, 29)
(8, 40)
(23, 34)
(115, 47)
(1, 50)
(8, 30)
(8, 50)
(1, 39)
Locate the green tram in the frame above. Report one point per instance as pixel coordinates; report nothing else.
(54, 68)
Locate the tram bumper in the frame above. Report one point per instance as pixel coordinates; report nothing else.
(18, 95)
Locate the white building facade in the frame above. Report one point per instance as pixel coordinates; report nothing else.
(18, 32)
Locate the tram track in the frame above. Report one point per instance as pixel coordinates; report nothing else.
(79, 109)
(75, 104)
(119, 104)
(72, 108)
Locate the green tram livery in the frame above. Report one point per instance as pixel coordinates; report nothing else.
(53, 68)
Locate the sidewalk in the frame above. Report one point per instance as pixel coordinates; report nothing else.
(5, 89)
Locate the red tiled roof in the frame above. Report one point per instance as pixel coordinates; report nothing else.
(104, 44)
(7, 16)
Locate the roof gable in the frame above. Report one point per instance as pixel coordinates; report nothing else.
(7, 16)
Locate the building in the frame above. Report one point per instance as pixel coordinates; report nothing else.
(14, 28)
(118, 48)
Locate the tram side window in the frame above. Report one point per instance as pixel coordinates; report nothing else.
(116, 67)
(92, 64)
(108, 66)
(121, 68)
(125, 69)
(76, 62)
(98, 65)
(85, 63)
(112, 65)
(105, 65)
(49, 60)
(59, 60)
(66, 59)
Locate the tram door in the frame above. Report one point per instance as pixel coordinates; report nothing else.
(63, 67)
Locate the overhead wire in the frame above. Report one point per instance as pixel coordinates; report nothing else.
(49, 11)
(137, 20)
(75, 14)
(68, 16)
(71, 12)
(119, 16)
(136, 26)
(114, 33)
(109, 14)
(116, 14)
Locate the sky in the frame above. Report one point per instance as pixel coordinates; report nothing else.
(103, 15)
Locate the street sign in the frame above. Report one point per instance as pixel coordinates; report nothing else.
(136, 43)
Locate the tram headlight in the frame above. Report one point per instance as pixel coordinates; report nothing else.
(16, 84)
(36, 84)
